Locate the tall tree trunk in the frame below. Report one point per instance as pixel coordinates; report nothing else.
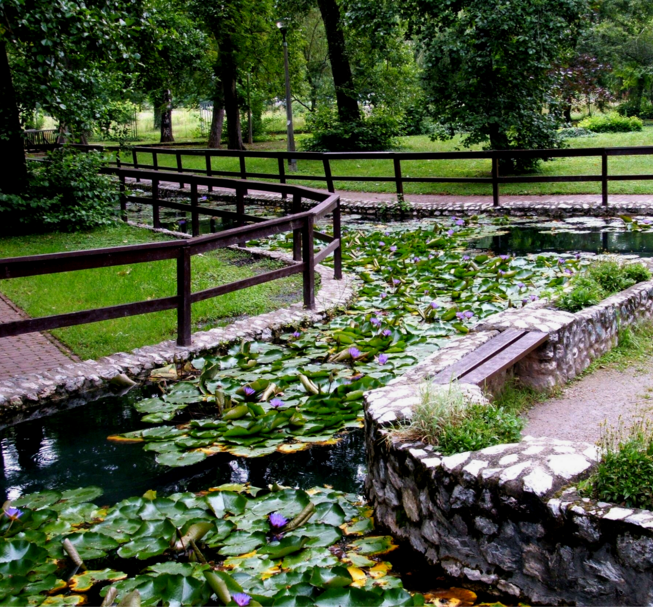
(343, 79)
(166, 117)
(499, 141)
(217, 122)
(229, 76)
(13, 176)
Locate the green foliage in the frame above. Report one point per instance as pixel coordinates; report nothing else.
(374, 133)
(575, 132)
(449, 420)
(600, 280)
(635, 344)
(488, 68)
(65, 192)
(611, 123)
(624, 473)
(322, 550)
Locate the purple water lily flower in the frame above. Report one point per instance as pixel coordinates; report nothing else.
(13, 513)
(249, 391)
(466, 257)
(561, 261)
(276, 403)
(381, 243)
(534, 297)
(383, 358)
(449, 232)
(460, 316)
(393, 248)
(468, 314)
(357, 377)
(386, 233)
(521, 285)
(426, 291)
(202, 197)
(569, 271)
(435, 305)
(395, 281)
(577, 255)
(524, 301)
(460, 222)
(354, 352)
(387, 333)
(430, 256)
(501, 272)
(277, 520)
(241, 599)
(504, 257)
(375, 321)
(417, 260)
(383, 295)
(296, 334)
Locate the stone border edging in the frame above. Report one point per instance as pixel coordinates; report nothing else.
(22, 394)
(499, 518)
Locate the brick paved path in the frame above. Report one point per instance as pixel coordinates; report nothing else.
(29, 353)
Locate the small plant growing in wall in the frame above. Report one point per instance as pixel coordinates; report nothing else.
(448, 418)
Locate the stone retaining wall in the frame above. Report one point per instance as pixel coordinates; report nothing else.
(499, 519)
(23, 397)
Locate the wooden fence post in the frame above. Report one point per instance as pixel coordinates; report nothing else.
(209, 169)
(309, 263)
(135, 162)
(327, 174)
(240, 210)
(123, 198)
(180, 169)
(243, 169)
(398, 178)
(156, 218)
(297, 234)
(495, 181)
(282, 176)
(183, 295)
(155, 161)
(604, 178)
(337, 233)
(195, 220)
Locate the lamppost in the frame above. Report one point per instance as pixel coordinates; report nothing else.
(292, 162)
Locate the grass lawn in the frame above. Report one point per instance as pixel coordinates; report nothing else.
(457, 168)
(87, 289)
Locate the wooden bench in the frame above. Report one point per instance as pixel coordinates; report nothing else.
(493, 357)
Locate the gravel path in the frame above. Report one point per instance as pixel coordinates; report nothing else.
(602, 396)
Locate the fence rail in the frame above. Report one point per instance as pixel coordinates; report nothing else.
(40, 140)
(397, 158)
(301, 224)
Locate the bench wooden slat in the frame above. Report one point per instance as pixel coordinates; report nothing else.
(479, 356)
(506, 358)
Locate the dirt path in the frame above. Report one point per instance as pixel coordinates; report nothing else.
(602, 396)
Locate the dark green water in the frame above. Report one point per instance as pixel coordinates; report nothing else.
(69, 449)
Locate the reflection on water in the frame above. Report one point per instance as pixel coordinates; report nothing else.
(599, 239)
(69, 449)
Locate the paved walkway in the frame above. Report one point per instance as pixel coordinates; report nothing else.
(29, 353)
(602, 397)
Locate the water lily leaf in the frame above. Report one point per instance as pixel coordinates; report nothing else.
(361, 527)
(163, 529)
(337, 577)
(374, 545)
(81, 495)
(144, 548)
(185, 569)
(319, 535)
(288, 502)
(85, 581)
(348, 597)
(176, 459)
(225, 501)
(330, 514)
(59, 600)
(37, 501)
(120, 529)
(397, 596)
(286, 546)
(242, 542)
(12, 586)
(18, 557)
(167, 372)
(181, 590)
(91, 545)
(309, 558)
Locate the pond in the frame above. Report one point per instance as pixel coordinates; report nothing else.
(423, 282)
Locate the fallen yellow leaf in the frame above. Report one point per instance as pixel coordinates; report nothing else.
(358, 575)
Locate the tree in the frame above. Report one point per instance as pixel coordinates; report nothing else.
(66, 58)
(488, 67)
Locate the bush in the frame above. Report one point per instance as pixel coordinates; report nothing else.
(416, 121)
(377, 132)
(65, 192)
(611, 123)
(625, 471)
(600, 280)
(452, 422)
(645, 109)
(575, 132)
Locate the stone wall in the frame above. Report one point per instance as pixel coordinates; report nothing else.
(504, 519)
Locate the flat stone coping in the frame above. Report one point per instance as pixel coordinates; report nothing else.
(20, 396)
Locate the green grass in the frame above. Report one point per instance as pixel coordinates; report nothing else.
(87, 289)
(635, 346)
(456, 168)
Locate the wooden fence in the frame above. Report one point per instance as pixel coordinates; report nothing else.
(301, 224)
(41, 140)
(135, 160)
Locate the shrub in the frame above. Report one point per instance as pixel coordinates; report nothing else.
(574, 132)
(600, 280)
(376, 132)
(625, 470)
(65, 192)
(644, 110)
(611, 123)
(449, 420)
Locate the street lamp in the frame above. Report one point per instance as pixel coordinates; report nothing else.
(292, 162)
